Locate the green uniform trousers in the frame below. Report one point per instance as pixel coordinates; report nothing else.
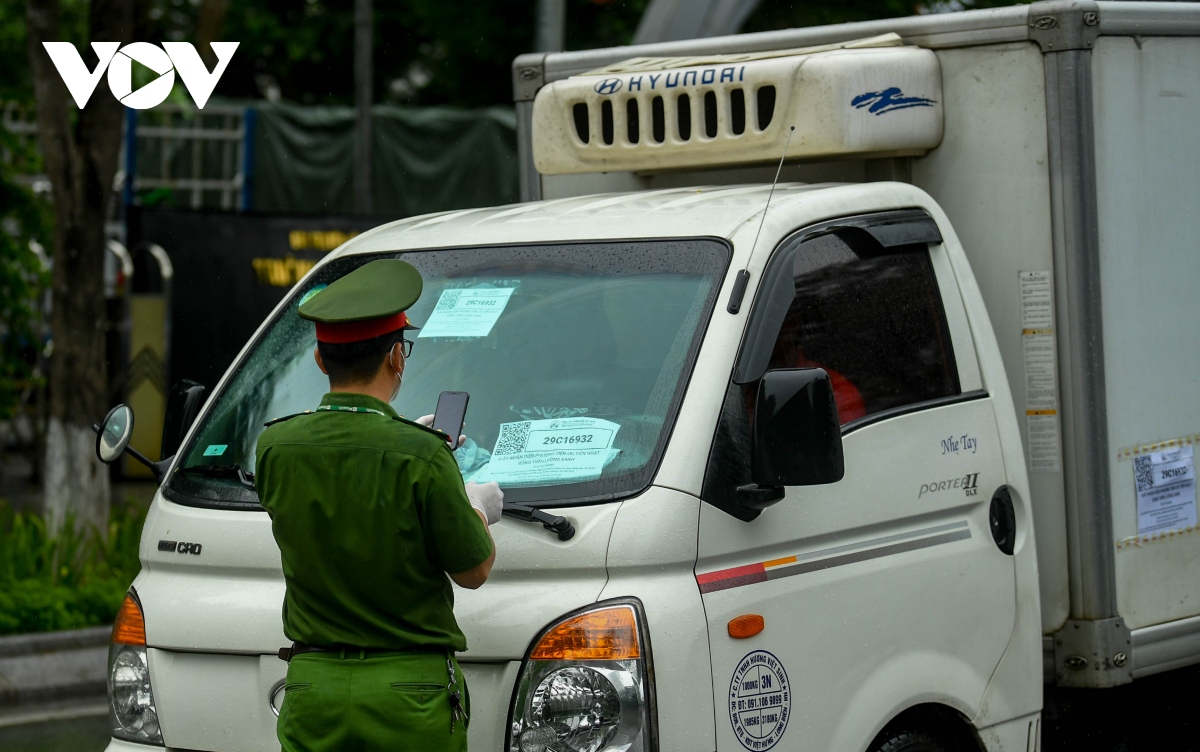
(381, 702)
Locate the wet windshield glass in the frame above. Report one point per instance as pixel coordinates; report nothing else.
(575, 358)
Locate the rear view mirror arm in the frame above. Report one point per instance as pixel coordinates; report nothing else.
(158, 468)
(754, 496)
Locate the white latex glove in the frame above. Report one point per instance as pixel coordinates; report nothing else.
(427, 420)
(487, 498)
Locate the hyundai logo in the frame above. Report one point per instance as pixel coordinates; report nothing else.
(608, 86)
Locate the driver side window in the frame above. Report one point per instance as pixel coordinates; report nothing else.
(872, 317)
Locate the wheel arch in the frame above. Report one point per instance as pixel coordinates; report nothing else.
(945, 723)
(908, 686)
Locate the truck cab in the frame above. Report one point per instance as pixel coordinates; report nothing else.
(647, 358)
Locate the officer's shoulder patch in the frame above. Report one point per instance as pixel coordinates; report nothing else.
(270, 423)
(427, 429)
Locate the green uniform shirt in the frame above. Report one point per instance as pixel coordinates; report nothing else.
(369, 512)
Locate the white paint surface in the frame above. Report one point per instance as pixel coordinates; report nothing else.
(990, 175)
(1147, 106)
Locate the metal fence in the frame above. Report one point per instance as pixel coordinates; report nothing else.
(22, 157)
(199, 159)
(171, 155)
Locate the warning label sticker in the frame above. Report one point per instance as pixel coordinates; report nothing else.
(1041, 372)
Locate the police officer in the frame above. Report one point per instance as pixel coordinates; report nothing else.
(371, 514)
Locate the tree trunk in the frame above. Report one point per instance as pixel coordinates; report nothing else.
(80, 154)
(208, 28)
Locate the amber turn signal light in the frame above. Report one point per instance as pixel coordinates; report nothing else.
(746, 625)
(130, 626)
(609, 634)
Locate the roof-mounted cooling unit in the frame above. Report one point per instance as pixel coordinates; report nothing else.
(875, 97)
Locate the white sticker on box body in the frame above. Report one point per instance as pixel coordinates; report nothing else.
(560, 450)
(1045, 446)
(466, 313)
(1037, 301)
(1166, 490)
(1041, 372)
(1040, 367)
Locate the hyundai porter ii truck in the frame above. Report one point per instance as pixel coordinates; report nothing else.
(859, 459)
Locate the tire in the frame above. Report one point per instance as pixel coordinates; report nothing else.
(909, 741)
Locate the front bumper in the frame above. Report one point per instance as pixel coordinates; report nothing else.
(190, 698)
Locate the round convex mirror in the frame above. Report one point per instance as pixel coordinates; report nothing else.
(114, 433)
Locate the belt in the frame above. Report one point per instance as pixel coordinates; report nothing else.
(457, 711)
(300, 648)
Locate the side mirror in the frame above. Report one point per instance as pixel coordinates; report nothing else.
(112, 436)
(112, 440)
(183, 405)
(797, 438)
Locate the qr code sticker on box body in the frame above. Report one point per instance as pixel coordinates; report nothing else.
(513, 438)
(1143, 474)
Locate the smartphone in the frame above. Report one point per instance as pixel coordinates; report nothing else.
(450, 413)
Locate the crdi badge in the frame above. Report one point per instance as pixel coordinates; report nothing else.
(178, 56)
(760, 701)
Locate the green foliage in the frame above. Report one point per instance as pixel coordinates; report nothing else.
(22, 278)
(773, 15)
(16, 85)
(74, 578)
(592, 24)
(426, 51)
(163, 198)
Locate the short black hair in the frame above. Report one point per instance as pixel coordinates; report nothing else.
(357, 362)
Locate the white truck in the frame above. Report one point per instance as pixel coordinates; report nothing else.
(857, 461)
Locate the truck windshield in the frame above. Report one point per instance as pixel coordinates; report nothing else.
(575, 357)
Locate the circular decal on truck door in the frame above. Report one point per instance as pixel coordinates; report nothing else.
(760, 701)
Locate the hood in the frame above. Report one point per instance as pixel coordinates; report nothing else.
(220, 587)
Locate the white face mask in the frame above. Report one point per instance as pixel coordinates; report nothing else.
(399, 378)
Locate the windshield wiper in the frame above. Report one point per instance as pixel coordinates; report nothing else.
(222, 471)
(552, 522)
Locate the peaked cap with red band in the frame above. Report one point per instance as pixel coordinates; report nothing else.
(366, 303)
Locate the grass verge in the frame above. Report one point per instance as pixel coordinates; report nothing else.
(67, 579)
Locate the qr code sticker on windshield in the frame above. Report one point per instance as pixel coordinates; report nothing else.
(512, 439)
(448, 300)
(1143, 473)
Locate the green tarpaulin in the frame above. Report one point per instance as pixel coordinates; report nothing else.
(424, 159)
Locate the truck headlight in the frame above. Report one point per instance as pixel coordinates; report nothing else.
(131, 710)
(586, 685)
